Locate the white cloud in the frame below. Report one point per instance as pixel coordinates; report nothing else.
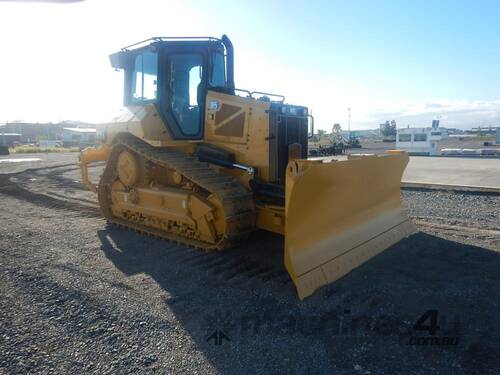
(459, 114)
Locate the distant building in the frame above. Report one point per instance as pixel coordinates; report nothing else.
(461, 136)
(420, 141)
(498, 136)
(452, 131)
(370, 133)
(78, 136)
(33, 132)
(483, 130)
(8, 139)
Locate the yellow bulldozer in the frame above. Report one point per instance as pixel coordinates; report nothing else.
(195, 160)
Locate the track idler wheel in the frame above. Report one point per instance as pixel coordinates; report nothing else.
(128, 168)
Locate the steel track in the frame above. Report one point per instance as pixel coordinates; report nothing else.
(237, 202)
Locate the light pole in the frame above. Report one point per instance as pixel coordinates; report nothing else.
(349, 122)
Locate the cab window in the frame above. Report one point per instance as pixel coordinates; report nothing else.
(218, 76)
(144, 77)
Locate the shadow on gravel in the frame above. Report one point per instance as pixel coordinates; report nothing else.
(246, 294)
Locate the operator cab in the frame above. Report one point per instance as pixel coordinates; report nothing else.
(188, 68)
(175, 75)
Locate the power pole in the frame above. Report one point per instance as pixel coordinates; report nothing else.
(349, 122)
(4, 143)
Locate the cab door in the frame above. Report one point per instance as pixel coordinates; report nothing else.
(184, 94)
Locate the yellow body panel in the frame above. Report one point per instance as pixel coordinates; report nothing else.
(145, 123)
(271, 218)
(252, 147)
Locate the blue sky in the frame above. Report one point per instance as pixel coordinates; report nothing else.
(411, 61)
(429, 49)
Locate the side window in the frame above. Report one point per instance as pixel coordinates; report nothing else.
(217, 78)
(194, 81)
(144, 77)
(186, 72)
(420, 137)
(404, 138)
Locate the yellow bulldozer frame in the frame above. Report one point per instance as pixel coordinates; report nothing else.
(334, 214)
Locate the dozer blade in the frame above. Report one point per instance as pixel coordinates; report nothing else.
(340, 214)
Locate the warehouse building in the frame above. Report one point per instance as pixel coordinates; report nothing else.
(78, 137)
(9, 139)
(420, 141)
(33, 132)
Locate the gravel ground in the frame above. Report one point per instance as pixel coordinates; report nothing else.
(16, 163)
(78, 295)
(464, 217)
